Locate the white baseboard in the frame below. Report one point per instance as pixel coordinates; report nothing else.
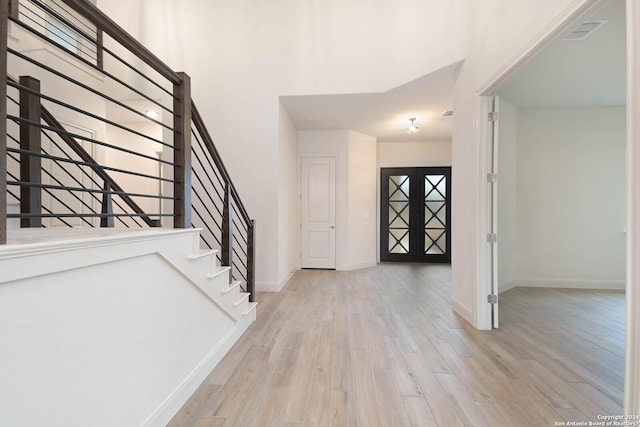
(357, 265)
(463, 310)
(269, 286)
(569, 283)
(172, 404)
(507, 285)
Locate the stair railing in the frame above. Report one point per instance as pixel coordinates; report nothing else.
(217, 208)
(120, 172)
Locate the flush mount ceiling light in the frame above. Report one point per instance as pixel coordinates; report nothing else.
(151, 114)
(412, 127)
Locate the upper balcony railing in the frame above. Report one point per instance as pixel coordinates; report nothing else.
(97, 132)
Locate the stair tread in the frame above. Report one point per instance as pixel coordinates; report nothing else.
(252, 306)
(219, 271)
(204, 254)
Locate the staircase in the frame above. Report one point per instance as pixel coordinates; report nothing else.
(127, 256)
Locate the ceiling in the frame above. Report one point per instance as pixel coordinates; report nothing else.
(382, 115)
(585, 72)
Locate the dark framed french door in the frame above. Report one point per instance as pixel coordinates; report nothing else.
(415, 214)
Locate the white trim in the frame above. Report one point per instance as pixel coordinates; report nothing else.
(462, 310)
(565, 283)
(632, 368)
(484, 249)
(172, 404)
(357, 265)
(269, 286)
(504, 287)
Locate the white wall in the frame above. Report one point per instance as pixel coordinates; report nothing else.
(415, 153)
(571, 197)
(355, 192)
(108, 329)
(362, 206)
(288, 221)
(243, 55)
(507, 192)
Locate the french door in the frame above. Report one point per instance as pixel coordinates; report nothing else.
(415, 214)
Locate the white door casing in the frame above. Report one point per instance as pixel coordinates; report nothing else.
(494, 210)
(318, 212)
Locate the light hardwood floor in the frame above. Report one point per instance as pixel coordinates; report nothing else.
(381, 347)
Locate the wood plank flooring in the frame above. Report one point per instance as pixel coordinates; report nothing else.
(381, 347)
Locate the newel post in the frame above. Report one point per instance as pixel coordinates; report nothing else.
(182, 152)
(30, 164)
(4, 29)
(227, 229)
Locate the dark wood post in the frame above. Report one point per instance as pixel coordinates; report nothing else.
(4, 29)
(182, 152)
(251, 261)
(30, 165)
(13, 8)
(99, 49)
(227, 229)
(106, 220)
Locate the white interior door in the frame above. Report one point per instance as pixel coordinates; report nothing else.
(318, 212)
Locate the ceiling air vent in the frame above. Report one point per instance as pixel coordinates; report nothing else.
(584, 29)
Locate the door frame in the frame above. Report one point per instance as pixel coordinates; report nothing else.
(336, 248)
(417, 209)
(483, 250)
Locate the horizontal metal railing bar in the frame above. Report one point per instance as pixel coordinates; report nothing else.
(117, 57)
(197, 194)
(77, 181)
(74, 17)
(39, 24)
(245, 225)
(88, 114)
(238, 258)
(238, 271)
(79, 84)
(108, 26)
(60, 131)
(208, 157)
(67, 207)
(59, 219)
(208, 143)
(98, 69)
(242, 243)
(80, 215)
(201, 182)
(90, 190)
(82, 153)
(211, 168)
(207, 227)
(81, 163)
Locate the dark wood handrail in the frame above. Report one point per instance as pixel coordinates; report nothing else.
(108, 26)
(86, 157)
(208, 142)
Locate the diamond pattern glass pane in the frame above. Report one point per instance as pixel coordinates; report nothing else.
(399, 214)
(435, 215)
